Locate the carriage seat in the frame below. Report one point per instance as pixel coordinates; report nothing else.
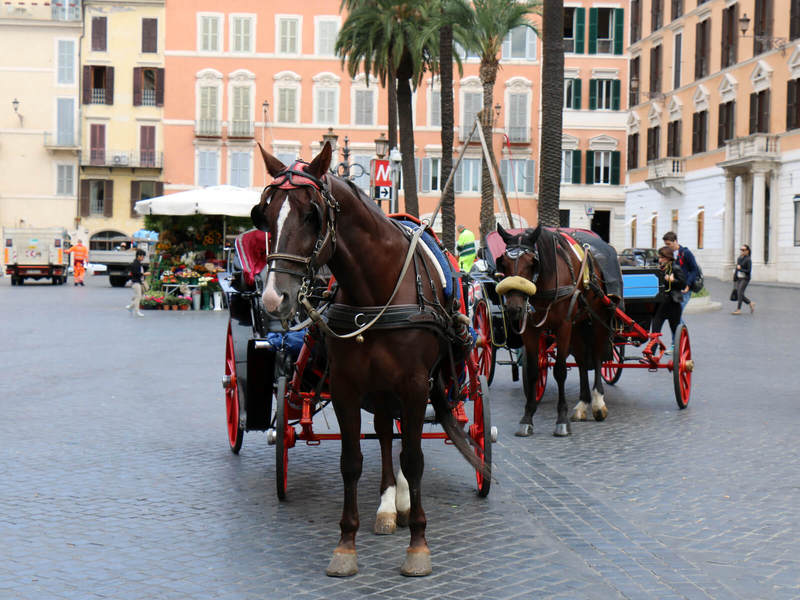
(606, 257)
(434, 252)
(251, 254)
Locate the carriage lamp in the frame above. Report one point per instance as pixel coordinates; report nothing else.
(381, 146)
(773, 43)
(331, 138)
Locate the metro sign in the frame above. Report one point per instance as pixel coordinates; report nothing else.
(381, 177)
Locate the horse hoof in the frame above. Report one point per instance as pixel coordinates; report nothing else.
(524, 430)
(576, 416)
(600, 414)
(343, 564)
(402, 518)
(562, 430)
(417, 563)
(385, 523)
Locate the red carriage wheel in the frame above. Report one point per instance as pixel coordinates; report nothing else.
(542, 368)
(281, 439)
(682, 366)
(611, 375)
(481, 432)
(483, 352)
(231, 383)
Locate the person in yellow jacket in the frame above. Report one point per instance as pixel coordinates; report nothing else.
(465, 248)
(80, 256)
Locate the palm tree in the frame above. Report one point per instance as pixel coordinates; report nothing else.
(552, 102)
(493, 20)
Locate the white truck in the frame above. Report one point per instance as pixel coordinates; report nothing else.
(116, 255)
(35, 253)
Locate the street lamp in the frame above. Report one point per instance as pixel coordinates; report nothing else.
(381, 146)
(15, 106)
(343, 168)
(774, 43)
(651, 95)
(264, 108)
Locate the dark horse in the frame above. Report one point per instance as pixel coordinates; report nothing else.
(315, 219)
(553, 286)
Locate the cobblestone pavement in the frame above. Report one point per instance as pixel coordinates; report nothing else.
(117, 482)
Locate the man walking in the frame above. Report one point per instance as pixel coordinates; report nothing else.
(685, 259)
(80, 256)
(465, 248)
(136, 272)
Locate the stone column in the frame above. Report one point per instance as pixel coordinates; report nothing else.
(728, 252)
(757, 227)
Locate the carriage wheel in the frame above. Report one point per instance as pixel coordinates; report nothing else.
(682, 366)
(483, 352)
(235, 431)
(481, 432)
(611, 375)
(281, 443)
(542, 369)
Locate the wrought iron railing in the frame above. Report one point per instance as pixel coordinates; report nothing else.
(207, 127)
(241, 129)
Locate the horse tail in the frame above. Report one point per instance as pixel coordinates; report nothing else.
(444, 415)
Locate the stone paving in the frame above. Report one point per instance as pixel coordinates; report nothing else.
(116, 480)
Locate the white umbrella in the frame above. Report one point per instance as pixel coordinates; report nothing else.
(215, 200)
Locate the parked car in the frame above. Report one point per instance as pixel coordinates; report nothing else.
(639, 257)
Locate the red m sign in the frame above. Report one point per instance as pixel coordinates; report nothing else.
(381, 173)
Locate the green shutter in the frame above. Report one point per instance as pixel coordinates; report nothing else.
(619, 32)
(580, 25)
(576, 166)
(615, 87)
(615, 167)
(593, 94)
(589, 166)
(592, 31)
(576, 94)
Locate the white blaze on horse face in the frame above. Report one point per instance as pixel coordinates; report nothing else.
(271, 298)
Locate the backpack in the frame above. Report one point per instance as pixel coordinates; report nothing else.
(698, 283)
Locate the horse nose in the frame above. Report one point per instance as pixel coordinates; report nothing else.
(272, 300)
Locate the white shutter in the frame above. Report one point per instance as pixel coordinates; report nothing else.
(436, 109)
(530, 36)
(66, 121)
(457, 178)
(426, 175)
(504, 175)
(66, 62)
(507, 46)
(530, 171)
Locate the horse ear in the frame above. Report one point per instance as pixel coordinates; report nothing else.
(257, 216)
(274, 166)
(504, 235)
(322, 161)
(531, 235)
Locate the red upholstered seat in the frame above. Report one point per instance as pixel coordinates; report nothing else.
(251, 250)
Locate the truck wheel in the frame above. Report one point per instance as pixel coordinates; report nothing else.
(117, 281)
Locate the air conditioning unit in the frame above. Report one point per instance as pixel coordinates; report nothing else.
(120, 159)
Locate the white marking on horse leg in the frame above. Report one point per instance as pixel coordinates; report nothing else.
(386, 520)
(403, 499)
(579, 413)
(599, 410)
(271, 298)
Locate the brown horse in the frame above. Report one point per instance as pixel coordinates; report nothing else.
(316, 219)
(552, 286)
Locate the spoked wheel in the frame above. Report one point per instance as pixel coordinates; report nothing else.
(481, 432)
(542, 369)
(281, 441)
(231, 383)
(611, 375)
(483, 352)
(682, 366)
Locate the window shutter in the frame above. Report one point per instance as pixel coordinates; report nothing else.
(530, 44)
(530, 173)
(695, 133)
(698, 51)
(615, 89)
(134, 197)
(159, 188)
(109, 85)
(506, 51)
(84, 197)
(99, 34)
(576, 166)
(504, 175)
(426, 174)
(458, 177)
(615, 167)
(589, 166)
(576, 94)
(149, 35)
(159, 87)
(753, 112)
(137, 86)
(592, 31)
(580, 20)
(619, 32)
(108, 198)
(592, 94)
(721, 126)
(763, 109)
(87, 84)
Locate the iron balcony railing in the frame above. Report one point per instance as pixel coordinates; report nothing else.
(241, 129)
(207, 128)
(98, 96)
(148, 97)
(142, 159)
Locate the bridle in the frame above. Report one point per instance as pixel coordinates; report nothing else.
(515, 253)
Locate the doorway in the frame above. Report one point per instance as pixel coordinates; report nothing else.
(601, 224)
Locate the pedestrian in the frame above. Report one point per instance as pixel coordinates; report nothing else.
(136, 272)
(465, 248)
(80, 256)
(741, 277)
(685, 260)
(671, 305)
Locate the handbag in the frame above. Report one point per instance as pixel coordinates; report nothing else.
(734, 295)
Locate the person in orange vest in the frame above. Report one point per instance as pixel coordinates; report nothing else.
(80, 256)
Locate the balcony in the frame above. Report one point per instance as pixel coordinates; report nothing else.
(98, 96)
(148, 97)
(125, 159)
(743, 153)
(519, 135)
(241, 129)
(207, 128)
(667, 175)
(61, 141)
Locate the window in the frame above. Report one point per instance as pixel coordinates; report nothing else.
(518, 130)
(66, 62)
(288, 35)
(701, 227)
(517, 175)
(653, 142)
(142, 190)
(432, 174)
(677, 9)
(468, 176)
(147, 146)
(656, 15)
(242, 121)
(762, 26)
(730, 36)
(287, 158)
(633, 90)
(727, 123)
(636, 20)
(700, 132)
(97, 148)
(464, 54)
(574, 24)
(796, 221)
(674, 138)
(209, 111)
(98, 85)
(210, 31)
(794, 20)
(473, 103)
(572, 93)
(207, 168)
(436, 108)
(65, 114)
(65, 180)
(364, 105)
(327, 31)
(793, 104)
(287, 105)
(99, 34)
(604, 94)
(66, 11)
(655, 69)
(676, 61)
(98, 202)
(633, 151)
(604, 32)
(520, 43)
(602, 163)
(759, 112)
(149, 35)
(241, 27)
(325, 113)
(570, 166)
(240, 169)
(148, 86)
(702, 51)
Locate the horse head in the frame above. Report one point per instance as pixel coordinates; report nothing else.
(298, 213)
(521, 267)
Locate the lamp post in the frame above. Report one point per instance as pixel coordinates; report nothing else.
(381, 146)
(15, 106)
(341, 169)
(264, 108)
(396, 157)
(774, 43)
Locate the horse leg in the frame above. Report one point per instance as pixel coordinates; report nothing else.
(344, 561)
(599, 410)
(579, 346)
(386, 519)
(560, 375)
(531, 341)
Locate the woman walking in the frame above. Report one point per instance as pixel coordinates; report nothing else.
(674, 282)
(741, 277)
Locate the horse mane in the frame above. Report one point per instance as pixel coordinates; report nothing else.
(359, 193)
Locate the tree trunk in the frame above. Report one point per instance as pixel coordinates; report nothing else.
(448, 119)
(405, 117)
(552, 101)
(488, 74)
(391, 88)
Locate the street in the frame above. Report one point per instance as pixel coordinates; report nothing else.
(117, 480)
